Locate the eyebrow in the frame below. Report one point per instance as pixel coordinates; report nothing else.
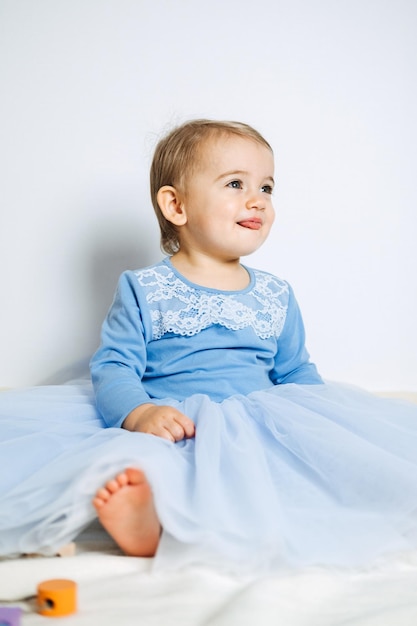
(241, 173)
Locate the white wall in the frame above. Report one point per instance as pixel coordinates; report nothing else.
(87, 86)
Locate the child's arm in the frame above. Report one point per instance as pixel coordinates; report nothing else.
(292, 361)
(118, 366)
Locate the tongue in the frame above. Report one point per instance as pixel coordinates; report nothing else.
(250, 224)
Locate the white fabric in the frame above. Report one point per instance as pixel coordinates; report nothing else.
(115, 589)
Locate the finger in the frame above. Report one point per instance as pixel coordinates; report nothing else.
(186, 424)
(176, 430)
(164, 433)
(189, 429)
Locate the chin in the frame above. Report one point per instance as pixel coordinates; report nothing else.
(250, 249)
(246, 251)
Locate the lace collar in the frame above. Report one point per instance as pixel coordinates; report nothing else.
(178, 306)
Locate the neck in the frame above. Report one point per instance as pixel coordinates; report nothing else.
(209, 272)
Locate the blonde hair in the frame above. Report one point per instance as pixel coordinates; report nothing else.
(176, 157)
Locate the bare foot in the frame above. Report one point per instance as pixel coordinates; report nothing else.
(125, 508)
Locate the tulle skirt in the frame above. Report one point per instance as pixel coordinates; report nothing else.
(293, 475)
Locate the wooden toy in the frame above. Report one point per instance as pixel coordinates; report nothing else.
(57, 597)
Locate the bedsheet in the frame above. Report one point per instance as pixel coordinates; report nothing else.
(116, 589)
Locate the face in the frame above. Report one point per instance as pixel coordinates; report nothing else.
(227, 202)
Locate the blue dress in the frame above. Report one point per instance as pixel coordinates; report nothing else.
(284, 470)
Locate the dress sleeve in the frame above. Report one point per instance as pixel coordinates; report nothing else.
(118, 365)
(292, 361)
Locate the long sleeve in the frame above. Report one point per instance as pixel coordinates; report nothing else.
(166, 339)
(292, 364)
(118, 365)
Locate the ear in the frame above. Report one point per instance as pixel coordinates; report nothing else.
(171, 205)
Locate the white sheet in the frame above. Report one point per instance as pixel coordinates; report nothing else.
(115, 589)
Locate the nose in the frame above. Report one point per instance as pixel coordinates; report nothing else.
(256, 200)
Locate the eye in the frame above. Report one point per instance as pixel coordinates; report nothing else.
(235, 184)
(267, 189)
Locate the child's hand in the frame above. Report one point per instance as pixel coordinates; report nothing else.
(162, 421)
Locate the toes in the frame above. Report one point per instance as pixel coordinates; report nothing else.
(103, 494)
(135, 476)
(98, 503)
(100, 499)
(122, 479)
(131, 476)
(113, 485)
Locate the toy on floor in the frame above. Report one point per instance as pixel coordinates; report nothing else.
(10, 616)
(57, 597)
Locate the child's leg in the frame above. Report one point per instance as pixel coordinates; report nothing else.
(126, 510)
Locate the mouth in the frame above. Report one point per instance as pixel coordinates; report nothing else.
(254, 223)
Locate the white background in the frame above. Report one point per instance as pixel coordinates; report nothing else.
(88, 86)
